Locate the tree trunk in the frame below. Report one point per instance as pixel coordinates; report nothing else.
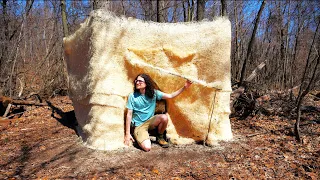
(307, 63)
(160, 11)
(296, 43)
(213, 9)
(200, 9)
(123, 8)
(174, 17)
(190, 10)
(305, 92)
(297, 124)
(236, 57)
(243, 70)
(223, 8)
(64, 18)
(94, 4)
(287, 64)
(185, 12)
(149, 12)
(5, 25)
(152, 11)
(28, 7)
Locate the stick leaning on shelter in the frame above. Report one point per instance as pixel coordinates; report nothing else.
(215, 85)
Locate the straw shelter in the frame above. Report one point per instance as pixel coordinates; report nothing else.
(107, 52)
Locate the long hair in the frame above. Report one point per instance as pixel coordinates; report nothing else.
(150, 85)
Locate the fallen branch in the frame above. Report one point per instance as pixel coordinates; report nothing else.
(255, 71)
(316, 96)
(7, 110)
(236, 93)
(5, 118)
(6, 103)
(29, 103)
(286, 128)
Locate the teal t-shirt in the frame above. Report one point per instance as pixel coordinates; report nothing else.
(142, 106)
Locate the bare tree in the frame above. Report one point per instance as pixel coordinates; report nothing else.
(296, 43)
(64, 18)
(309, 87)
(13, 73)
(243, 70)
(5, 39)
(13, 54)
(306, 84)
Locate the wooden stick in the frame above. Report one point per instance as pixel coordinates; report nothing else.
(7, 110)
(24, 102)
(214, 85)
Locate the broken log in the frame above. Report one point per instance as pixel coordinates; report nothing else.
(7, 102)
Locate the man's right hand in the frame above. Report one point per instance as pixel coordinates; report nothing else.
(127, 139)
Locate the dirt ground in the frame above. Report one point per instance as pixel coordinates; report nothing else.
(40, 145)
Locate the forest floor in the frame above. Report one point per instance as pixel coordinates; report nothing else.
(39, 145)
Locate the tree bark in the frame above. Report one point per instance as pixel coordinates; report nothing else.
(160, 11)
(174, 17)
(185, 12)
(236, 47)
(29, 7)
(243, 70)
(305, 92)
(190, 10)
(200, 9)
(5, 25)
(288, 70)
(297, 124)
(296, 43)
(94, 4)
(307, 64)
(64, 18)
(223, 8)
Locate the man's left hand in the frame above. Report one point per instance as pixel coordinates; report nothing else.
(187, 84)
